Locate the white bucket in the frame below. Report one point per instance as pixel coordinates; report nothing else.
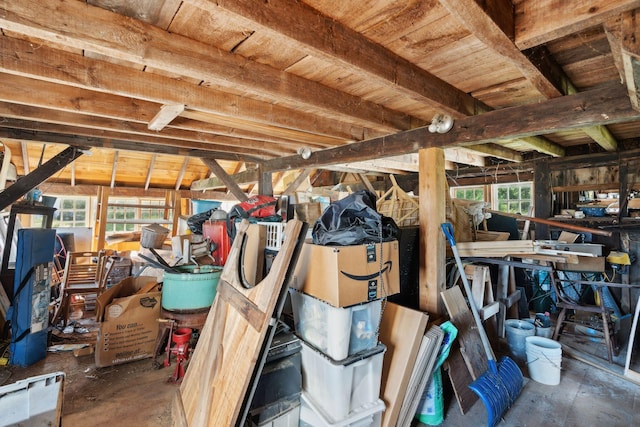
(517, 331)
(544, 332)
(544, 357)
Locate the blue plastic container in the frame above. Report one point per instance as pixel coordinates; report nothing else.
(200, 206)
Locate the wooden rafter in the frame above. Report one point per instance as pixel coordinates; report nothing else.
(147, 45)
(114, 168)
(550, 84)
(183, 169)
(541, 21)
(152, 164)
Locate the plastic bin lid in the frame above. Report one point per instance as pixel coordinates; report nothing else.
(361, 355)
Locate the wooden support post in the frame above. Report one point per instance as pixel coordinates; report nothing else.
(542, 199)
(432, 188)
(100, 228)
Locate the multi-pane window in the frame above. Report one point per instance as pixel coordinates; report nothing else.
(513, 198)
(130, 214)
(469, 193)
(71, 212)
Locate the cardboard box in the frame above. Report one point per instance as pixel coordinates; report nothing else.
(128, 321)
(347, 275)
(585, 263)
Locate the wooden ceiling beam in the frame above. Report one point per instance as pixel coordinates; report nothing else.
(599, 106)
(631, 55)
(148, 45)
(21, 58)
(327, 39)
(167, 113)
(154, 141)
(302, 176)
(473, 17)
(541, 72)
(112, 143)
(541, 21)
(536, 65)
(101, 111)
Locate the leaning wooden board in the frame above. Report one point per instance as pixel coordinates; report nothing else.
(468, 336)
(221, 375)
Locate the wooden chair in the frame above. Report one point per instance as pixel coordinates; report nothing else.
(84, 273)
(569, 298)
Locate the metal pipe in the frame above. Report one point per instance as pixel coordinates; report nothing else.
(558, 224)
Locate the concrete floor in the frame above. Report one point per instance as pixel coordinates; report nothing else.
(137, 394)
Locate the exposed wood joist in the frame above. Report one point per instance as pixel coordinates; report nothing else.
(114, 168)
(345, 47)
(144, 44)
(183, 169)
(152, 164)
(631, 55)
(471, 14)
(596, 107)
(44, 63)
(541, 21)
(166, 114)
(99, 112)
(117, 144)
(329, 40)
(550, 81)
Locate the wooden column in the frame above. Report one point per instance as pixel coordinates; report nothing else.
(542, 198)
(432, 189)
(265, 185)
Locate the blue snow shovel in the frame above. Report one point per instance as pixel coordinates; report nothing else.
(501, 384)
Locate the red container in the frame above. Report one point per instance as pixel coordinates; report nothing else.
(216, 231)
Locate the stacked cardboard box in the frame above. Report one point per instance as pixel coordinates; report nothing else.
(337, 295)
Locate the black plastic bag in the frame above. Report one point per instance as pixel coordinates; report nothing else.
(195, 222)
(353, 220)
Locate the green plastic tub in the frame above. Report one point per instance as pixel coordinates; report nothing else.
(186, 291)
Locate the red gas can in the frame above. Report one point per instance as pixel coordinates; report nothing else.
(215, 229)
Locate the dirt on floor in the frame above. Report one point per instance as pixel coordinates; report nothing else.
(136, 393)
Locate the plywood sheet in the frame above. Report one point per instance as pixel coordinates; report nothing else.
(468, 336)
(231, 349)
(401, 330)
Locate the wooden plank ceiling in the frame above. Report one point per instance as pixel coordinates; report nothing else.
(152, 87)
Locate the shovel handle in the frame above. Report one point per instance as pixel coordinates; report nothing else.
(447, 229)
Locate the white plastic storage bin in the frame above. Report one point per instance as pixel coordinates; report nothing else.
(291, 418)
(275, 234)
(339, 388)
(338, 332)
(366, 416)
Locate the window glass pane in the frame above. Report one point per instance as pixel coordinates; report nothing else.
(71, 212)
(468, 193)
(514, 193)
